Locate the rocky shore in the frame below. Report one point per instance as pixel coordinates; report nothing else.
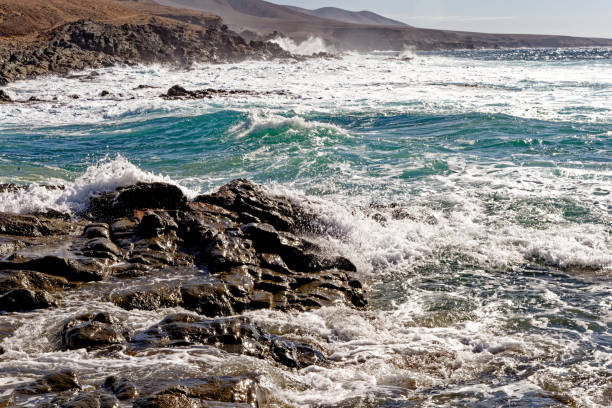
(92, 44)
(147, 247)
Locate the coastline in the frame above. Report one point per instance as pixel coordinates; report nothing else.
(88, 44)
(218, 255)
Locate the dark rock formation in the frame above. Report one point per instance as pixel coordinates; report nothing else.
(205, 392)
(177, 92)
(147, 246)
(123, 388)
(29, 290)
(93, 331)
(4, 98)
(56, 382)
(88, 44)
(234, 335)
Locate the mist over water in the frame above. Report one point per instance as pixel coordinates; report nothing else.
(310, 46)
(472, 189)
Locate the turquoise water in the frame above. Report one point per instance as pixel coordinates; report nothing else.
(492, 285)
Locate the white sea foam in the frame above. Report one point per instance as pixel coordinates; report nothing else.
(258, 120)
(430, 84)
(310, 46)
(106, 175)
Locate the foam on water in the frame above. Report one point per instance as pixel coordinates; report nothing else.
(72, 197)
(433, 84)
(473, 195)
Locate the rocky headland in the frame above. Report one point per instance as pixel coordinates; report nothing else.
(147, 247)
(89, 44)
(37, 38)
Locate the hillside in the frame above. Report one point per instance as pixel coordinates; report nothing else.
(265, 17)
(26, 17)
(38, 37)
(354, 17)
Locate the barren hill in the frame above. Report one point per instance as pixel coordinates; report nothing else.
(39, 37)
(25, 17)
(355, 17)
(265, 17)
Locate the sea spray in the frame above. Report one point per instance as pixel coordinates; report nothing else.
(310, 46)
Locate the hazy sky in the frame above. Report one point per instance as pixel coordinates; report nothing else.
(570, 17)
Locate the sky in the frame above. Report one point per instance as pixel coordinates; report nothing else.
(591, 18)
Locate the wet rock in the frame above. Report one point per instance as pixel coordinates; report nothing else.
(4, 97)
(180, 93)
(98, 230)
(21, 225)
(101, 248)
(148, 196)
(154, 224)
(93, 399)
(20, 300)
(75, 270)
(143, 86)
(234, 335)
(92, 331)
(56, 382)
(244, 197)
(123, 388)
(211, 392)
(28, 290)
(148, 297)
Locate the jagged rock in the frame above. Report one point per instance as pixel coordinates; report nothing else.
(21, 225)
(28, 290)
(206, 392)
(88, 44)
(56, 382)
(99, 230)
(244, 197)
(234, 335)
(180, 93)
(19, 300)
(91, 331)
(148, 196)
(154, 224)
(121, 387)
(75, 270)
(93, 399)
(4, 97)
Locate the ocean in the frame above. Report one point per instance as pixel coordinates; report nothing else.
(472, 189)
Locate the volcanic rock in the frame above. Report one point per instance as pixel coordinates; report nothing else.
(237, 392)
(234, 335)
(93, 331)
(56, 382)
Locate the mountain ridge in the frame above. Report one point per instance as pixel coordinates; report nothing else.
(263, 17)
(355, 17)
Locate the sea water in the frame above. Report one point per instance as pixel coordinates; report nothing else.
(473, 189)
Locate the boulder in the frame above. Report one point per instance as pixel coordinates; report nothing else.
(233, 335)
(237, 392)
(75, 270)
(55, 382)
(92, 331)
(21, 300)
(29, 290)
(4, 97)
(123, 388)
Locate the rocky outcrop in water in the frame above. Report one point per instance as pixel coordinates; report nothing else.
(91, 44)
(177, 92)
(147, 247)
